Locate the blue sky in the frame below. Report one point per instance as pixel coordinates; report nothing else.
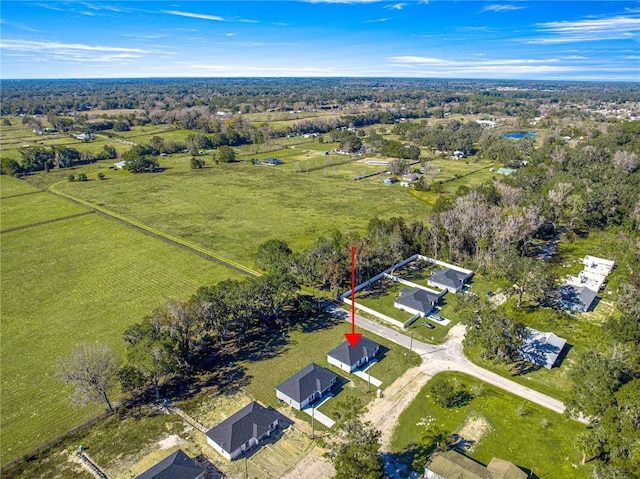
(576, 40)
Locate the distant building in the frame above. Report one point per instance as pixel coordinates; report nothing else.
(244, 430)
(175, 466)
(506, 171)
(272, 161)
(306, 386)
(390, 181)
(596, 265)
(541, 348)
(411, 177)
(486, 123)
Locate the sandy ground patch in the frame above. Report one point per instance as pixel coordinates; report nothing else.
(472, 433)
(170, 441)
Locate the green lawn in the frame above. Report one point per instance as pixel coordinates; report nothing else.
(80, 279)
(11, 186)
(523, 440)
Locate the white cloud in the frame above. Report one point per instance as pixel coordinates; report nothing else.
(229, 34)
(379, 20)
(612, 28)
(202, 16)
(341, 1)
(37, 46)
(396, 6)
(500, 7)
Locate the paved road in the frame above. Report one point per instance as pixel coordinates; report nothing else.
(450, 357)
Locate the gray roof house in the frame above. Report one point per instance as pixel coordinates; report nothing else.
(417, 301)
(541, 348)
(175, 466)
(272, 161)
(453, 465)
(349, 359)
(242, 431)
(449, 279)
(577, 298)
(305, 386)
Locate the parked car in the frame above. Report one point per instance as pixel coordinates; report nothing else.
(490, 293)
(427, 325)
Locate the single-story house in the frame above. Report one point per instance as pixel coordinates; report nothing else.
(453, 465)
(83, 136)
(486, 123)
(593, 281)
(306, 386)
(450, 279)
(272, 161)
(175, 466)
(417, 301)
(349, 359)
(120, 164)
(506, 171)
(541, 348)
(597, 265)
(242, 431)
(576, 298)
(411, 177)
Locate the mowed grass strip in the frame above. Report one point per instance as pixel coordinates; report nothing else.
(231, 209)
(539, 439)
(10, 186)
(82, 279)
(34, 209)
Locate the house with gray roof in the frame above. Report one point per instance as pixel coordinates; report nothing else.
(576, 298)
(541, 348)
(244, 430)
(349, 359)
(418, 301)
(454, 465)
(449, 279)
(306, 386)
(175, 466)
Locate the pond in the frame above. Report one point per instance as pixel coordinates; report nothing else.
(518, 135)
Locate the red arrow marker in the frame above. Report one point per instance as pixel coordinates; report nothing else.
(353, 337)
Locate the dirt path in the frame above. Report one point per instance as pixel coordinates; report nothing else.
(313, 466)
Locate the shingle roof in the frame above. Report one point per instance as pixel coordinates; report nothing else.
(348, 355)
(453, 465)
(541, 348)
(501, 469)
(418, 299)
(176, 466)
(577, 295)
(252, 421)
(448, 277)
(306, 381)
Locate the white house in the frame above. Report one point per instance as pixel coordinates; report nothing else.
(596, 265)
(349, 359)
(306, 386)
(541, 348)
(418, 301)
(244, 430)
(449, 279)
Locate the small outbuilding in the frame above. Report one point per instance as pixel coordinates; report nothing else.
(306, 386)
(272, 161)
(244, 430)
(349, 359)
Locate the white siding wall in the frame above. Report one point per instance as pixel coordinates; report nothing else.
(288, 400)
(222, 452)
(338, 364)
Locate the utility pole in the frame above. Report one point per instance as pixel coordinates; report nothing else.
(313, 423)
(246, 467)
(369, 381)
(411, 344)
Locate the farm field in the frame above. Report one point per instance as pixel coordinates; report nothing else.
(232, 208)
(80, 279)
(490, 420)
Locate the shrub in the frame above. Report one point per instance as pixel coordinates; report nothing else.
(82, 177)
(70, 177)
(101, 176)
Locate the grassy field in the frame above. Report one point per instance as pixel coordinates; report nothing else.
(80, 279)
(540, 439)
(232, 208)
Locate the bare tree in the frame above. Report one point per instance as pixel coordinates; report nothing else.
(92, 370)
(627, 161)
